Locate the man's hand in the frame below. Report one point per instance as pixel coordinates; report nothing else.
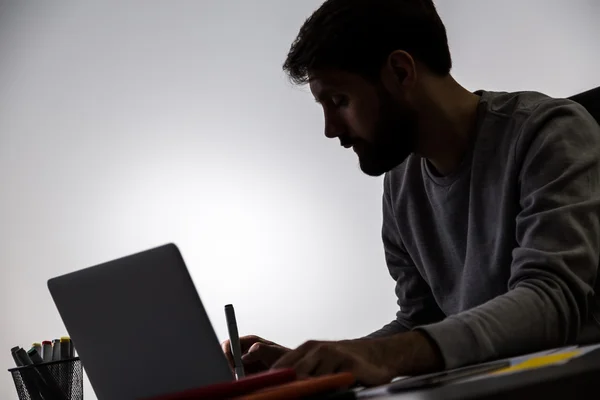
(258, 354)
(372, 361)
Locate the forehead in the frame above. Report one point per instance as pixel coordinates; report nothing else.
(323, 82)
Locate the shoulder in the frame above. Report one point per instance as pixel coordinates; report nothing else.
(534, 122)
(531, 113)
(520, 104)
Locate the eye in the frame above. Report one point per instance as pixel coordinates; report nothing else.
(339, 100)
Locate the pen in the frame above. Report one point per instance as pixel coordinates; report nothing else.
(234, 341)
(38, 347)
(50, 387)
(56, 350)
(23, 357)
(66, 370)
(33, 382)
(13, 352)
(34, 356)
(65, 348)
(28, 376)
(47, 351)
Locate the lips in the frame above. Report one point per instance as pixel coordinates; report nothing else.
(346, 143)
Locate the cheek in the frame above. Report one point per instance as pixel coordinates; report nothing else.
(361, 124)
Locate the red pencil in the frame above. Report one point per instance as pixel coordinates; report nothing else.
(226, 390)
(302, 388)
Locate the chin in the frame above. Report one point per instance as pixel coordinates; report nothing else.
(379, 166)
(373, 170)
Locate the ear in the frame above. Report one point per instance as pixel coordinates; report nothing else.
(399, 71)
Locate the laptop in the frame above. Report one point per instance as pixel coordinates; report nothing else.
(139, 326)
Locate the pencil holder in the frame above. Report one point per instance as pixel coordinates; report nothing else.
(55, 380)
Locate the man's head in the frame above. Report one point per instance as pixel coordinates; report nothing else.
(361, 58)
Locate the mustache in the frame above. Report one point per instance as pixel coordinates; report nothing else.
(346, 141)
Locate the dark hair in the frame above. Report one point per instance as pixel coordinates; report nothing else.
(358, 35)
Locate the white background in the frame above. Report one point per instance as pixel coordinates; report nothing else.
(126, 125)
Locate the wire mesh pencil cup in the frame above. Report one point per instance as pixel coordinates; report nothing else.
(54, 380)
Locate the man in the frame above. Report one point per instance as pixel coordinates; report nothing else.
(491, 204)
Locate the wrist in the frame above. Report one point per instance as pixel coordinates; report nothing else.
(411, 353)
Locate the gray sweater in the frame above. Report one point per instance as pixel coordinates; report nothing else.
(501, 257)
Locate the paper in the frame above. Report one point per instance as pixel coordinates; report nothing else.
(537, 362)
(540, 359)
(528, 361)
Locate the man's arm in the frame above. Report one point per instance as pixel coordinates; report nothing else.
(415, 299)
(555, 261)
(393, 350)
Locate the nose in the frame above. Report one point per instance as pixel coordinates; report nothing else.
(332, 127)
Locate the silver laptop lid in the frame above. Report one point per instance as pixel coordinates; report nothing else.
(139, 326)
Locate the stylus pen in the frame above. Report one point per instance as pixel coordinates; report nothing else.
(234, 341)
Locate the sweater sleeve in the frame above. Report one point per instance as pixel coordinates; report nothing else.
(415, 299)
(557, 245)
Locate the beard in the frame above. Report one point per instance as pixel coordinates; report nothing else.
(394, 138)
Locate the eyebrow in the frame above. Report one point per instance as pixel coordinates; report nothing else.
(326, 91)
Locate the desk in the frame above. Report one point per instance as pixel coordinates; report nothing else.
(578, 378)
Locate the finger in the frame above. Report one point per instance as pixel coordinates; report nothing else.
(291, 357)
(247, 341)
(227, 351)
(254, 353)
(328, 365)
(265, 353)
(321, 360)
(307, 364)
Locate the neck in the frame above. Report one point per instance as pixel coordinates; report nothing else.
(447, 123)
